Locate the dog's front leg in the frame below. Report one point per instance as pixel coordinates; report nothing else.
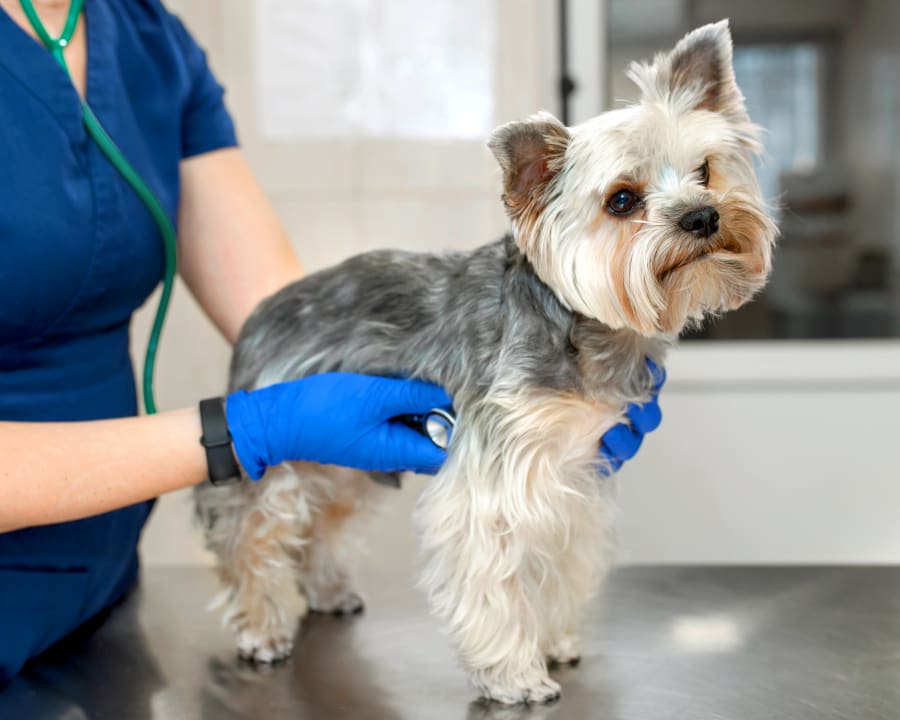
(494, 527)
(583, 561)
(475, 583)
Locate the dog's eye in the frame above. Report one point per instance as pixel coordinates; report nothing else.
(703, 173)
(622, 202)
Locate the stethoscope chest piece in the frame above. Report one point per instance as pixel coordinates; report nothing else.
(439, 426)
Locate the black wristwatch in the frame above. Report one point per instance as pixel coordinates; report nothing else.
(221, 465)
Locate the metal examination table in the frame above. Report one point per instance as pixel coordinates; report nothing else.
(679, 643)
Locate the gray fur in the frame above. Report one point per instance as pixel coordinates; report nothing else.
(464, 320)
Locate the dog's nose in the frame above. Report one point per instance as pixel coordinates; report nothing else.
(702, 223)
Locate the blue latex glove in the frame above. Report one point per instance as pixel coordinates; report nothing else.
(621, 442)
(336, 419)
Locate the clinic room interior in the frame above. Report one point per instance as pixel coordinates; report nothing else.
(757, 531)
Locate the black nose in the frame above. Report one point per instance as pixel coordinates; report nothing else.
(703, 222)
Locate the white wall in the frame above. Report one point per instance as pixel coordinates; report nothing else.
(770, 455)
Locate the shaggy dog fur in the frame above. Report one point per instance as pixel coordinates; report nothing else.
(625, 229)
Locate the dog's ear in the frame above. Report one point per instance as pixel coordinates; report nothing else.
(698, 71)
(530, 153)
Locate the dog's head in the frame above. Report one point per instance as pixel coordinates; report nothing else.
(648, 217)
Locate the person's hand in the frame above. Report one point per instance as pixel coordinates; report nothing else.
(335, 419)
(621, 442)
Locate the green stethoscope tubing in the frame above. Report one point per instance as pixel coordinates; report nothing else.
(108, 147)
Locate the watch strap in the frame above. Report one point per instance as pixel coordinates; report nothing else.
(221, 465)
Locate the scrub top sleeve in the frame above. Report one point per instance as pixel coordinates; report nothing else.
(206, 124)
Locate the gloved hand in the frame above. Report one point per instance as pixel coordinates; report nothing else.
(621, 442)
(338, 419)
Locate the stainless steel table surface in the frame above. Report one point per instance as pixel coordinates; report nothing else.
(665, 642)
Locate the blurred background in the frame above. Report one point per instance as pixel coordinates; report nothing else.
(366, 121)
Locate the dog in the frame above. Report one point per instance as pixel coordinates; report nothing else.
(625, 230)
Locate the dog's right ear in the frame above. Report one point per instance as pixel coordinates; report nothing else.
(530, 153)
(699, 70)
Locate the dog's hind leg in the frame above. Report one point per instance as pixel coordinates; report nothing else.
(257, 568)
(326, 562)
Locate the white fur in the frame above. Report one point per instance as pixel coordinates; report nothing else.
(661, 148)
(517, 533)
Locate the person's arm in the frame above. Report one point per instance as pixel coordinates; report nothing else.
(53, 472)
(233, 251)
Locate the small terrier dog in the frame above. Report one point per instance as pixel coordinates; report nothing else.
(625, 230)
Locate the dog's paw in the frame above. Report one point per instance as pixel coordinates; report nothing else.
(539, 689)
(343, 603)
(264, 648)
(564, 651)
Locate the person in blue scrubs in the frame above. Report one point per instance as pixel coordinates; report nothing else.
(78, 254)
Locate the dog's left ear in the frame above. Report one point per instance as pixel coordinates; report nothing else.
(698, 71)
(530, 153)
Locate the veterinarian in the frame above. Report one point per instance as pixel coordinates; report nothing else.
(78, 468)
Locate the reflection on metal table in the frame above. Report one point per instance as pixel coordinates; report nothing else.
(665, 642)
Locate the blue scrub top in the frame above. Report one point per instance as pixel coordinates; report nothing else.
(78, 254)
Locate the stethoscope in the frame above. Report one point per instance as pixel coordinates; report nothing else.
(95, 130)
(437, 425)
